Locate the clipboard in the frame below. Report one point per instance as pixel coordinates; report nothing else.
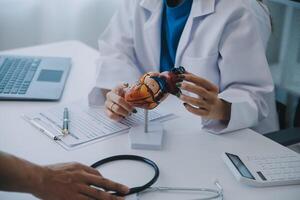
(87, 124)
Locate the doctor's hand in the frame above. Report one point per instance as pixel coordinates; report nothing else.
(77, 182)
(206, 103)
(116, 106)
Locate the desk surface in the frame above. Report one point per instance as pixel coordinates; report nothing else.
(190, 157)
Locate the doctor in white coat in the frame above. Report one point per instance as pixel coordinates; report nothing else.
(222, 46)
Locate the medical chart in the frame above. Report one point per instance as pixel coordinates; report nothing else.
(88, 124)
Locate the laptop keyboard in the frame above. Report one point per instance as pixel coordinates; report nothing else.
(16, 74)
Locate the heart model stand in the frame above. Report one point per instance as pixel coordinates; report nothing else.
(148, 136)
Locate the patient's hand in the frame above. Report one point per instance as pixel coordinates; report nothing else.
(76, 181)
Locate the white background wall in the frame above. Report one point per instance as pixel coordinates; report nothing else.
(30, 22)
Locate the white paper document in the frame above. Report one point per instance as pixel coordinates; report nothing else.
(86, 123)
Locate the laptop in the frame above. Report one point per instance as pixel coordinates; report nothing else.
(33, 78)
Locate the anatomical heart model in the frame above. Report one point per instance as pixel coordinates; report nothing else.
(153, 88)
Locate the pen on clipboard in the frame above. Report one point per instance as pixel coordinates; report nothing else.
(41, 128)
(65, 129)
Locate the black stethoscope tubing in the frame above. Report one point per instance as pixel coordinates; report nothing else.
(134, 158)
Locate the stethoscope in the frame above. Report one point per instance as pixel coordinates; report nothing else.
(215, 193)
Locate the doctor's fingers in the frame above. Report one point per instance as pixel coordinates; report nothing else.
(197, 102)
(115, 108)
(113, 115)
(200, 91)
(200, 82)
(196, 111)
(120, 89)
(111, 96)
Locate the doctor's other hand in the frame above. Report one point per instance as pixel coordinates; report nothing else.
(77, 182)
(206, 103)
(116, 106)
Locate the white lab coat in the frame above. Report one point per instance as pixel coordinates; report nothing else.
(223, 41)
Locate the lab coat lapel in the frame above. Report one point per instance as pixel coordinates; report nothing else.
(199, 8)
(152, 30)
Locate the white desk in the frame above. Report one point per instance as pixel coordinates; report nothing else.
(190, 157)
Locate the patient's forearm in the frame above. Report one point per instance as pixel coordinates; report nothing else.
(19, 175)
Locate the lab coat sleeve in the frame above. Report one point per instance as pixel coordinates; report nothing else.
(117, 63)
(245, 79)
